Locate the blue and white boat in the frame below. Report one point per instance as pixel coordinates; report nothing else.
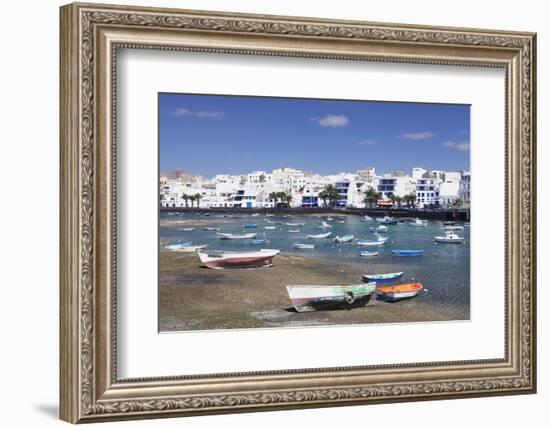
(251, 226)
(382, 278)
(407, 252)
(343, 239)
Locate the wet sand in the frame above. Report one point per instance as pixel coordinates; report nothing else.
(193, 297)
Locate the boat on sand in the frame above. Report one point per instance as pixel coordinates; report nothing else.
(304, 246)
(399, 292)
(382, 278)
(407, 252)
(366, 254)
(312, 298)
(244, 259)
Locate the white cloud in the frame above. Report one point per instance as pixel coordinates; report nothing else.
(461, 146)
(184, 112)
(332, 121)
(417, 136)
(368, 141)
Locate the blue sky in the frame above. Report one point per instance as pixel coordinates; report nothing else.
(210, 134)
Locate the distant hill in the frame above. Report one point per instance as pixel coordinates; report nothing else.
(178, 174)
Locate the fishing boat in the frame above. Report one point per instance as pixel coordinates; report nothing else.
(366, 218)
(448, 223)
(255, 214)
(319, 236)
(343, 239)
(270, 227)
(449, 237)
(186, 229)
(312, 298)
(407, 252)
(382, 278)
(453, 227)
(211, 228)
(251, 226)
(399, 292)
(379, 229)
(330, 218)
(259, 241)
(295, 224)
(303, 246)
(378, 242)
(419, 223)
(245, 259)
(366, 254)
(293, 231)
(324, 225)
(229, 236)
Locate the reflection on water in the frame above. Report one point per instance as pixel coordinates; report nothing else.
(444, 269)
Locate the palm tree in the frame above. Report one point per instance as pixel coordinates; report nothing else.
(371, 197)
(323, 196)
(286, 198)
(398, 199)
(185, 198)
(331, 193)
(393, 199)
(275, 196)
(410, 199)
(198, 198)
(192, 199)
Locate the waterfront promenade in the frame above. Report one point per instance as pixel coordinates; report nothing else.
(455, 214)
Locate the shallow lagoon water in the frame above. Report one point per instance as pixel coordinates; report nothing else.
(444, 269)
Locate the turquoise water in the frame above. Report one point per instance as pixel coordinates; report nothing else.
(444, 269)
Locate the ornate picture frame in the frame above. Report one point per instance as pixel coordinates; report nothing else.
(90, 37)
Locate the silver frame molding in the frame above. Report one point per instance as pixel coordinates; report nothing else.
(90, 37)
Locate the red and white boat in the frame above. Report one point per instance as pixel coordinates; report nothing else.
(246, 259)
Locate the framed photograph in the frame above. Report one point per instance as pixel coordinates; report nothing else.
(266, 212)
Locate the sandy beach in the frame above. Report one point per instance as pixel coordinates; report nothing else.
(192, 297)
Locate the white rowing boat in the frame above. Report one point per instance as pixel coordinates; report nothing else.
(246, 259)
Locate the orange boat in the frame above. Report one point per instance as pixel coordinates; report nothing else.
(398, 292)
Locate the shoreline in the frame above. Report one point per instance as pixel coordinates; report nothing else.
(195, 298)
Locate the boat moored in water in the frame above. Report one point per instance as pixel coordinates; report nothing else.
(229, 236)
(378, 242)
(251, 226)
(407, 252)
(453, 227)
(382, 278)
(449, 237)
(295, 224)
(245, 259)
(419, 223)
(312, 298)
(343, 239)
(399, 292)
(319, 236)
(379, 229)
